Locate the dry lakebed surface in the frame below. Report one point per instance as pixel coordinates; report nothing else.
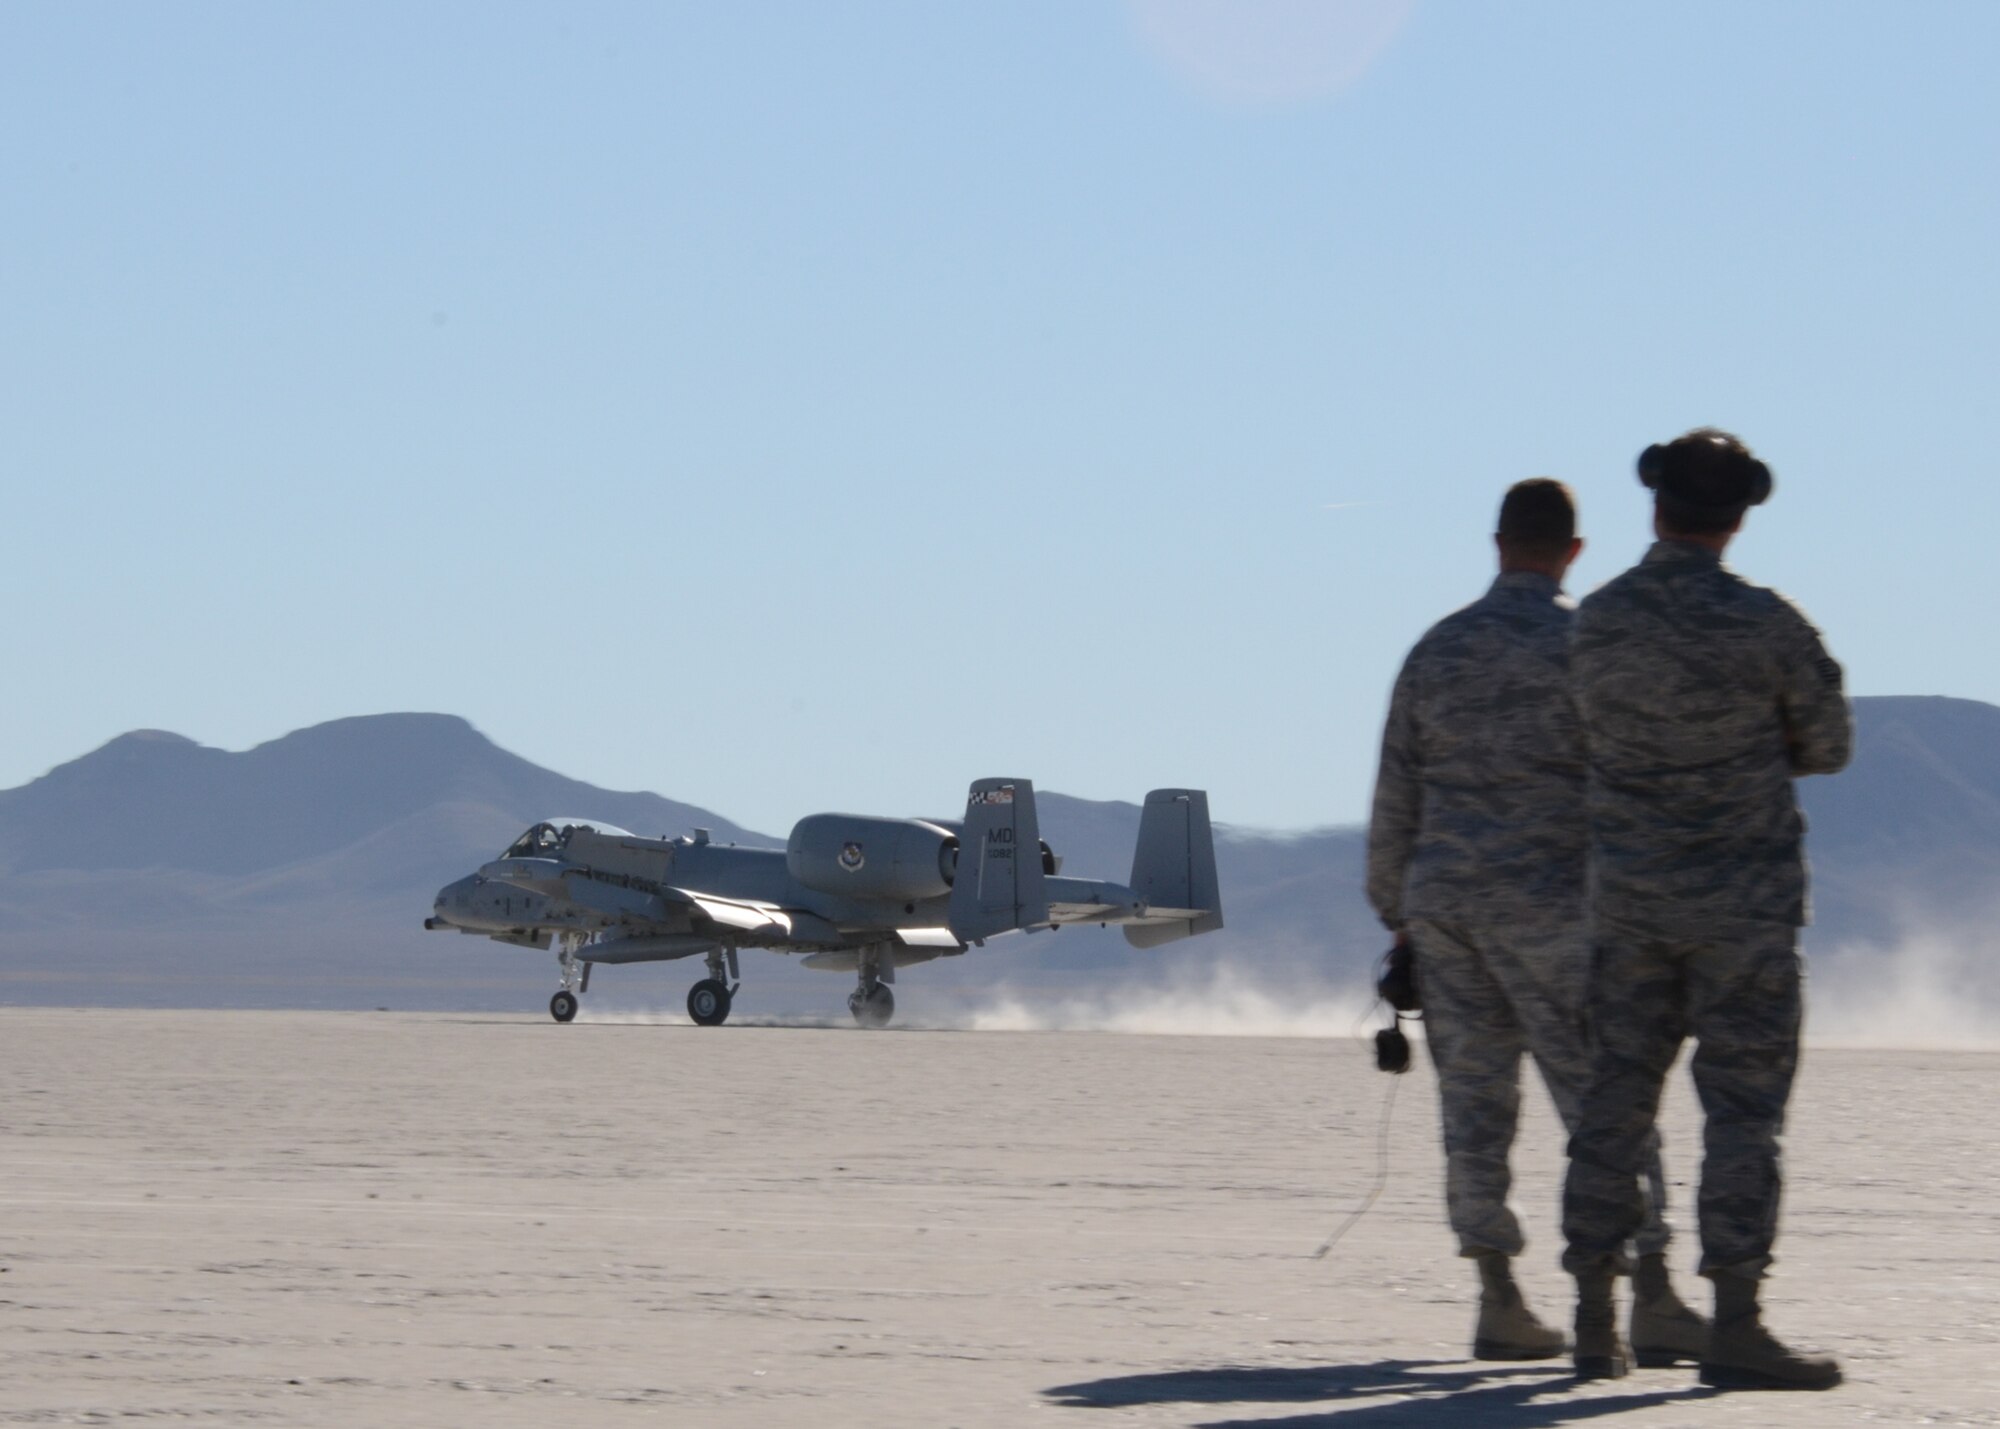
(386, 1219)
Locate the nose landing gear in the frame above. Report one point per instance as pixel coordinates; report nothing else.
(575, 981)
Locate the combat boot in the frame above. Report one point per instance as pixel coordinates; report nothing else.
(1600, 1354)
(1508, 1329)
(1742, 1354)
(1664, 1330)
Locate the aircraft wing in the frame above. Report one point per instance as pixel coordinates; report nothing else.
(678, 908)
(766, 920)
(744, 917)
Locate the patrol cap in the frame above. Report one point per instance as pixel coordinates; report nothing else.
(1707, 471)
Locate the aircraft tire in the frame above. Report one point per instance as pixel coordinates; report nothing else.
(562, 1006)
(708, 1003)
(875, 1008)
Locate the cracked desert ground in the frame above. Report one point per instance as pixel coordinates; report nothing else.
(405, 1219)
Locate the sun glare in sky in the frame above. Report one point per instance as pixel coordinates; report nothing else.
(1269, 51)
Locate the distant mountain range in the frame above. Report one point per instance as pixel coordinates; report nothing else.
(156, 871)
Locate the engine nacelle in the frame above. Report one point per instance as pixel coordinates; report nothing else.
(903, 859)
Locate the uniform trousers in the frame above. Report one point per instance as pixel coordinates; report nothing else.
(1492, 995)
(1739, 995)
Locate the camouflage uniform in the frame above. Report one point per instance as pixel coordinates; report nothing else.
(1476, 850)
(1702, 697)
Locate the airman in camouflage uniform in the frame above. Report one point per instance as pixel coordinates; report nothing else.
(1476, 856)
(1701, 697)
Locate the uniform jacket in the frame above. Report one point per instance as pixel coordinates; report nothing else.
(1479, 802)
(1701, 697)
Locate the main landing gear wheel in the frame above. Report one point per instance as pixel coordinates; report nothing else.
(874, 1007)
(562, 1006)
(708, 1003)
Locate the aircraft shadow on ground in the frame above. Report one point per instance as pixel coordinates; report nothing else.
(1431, 1392)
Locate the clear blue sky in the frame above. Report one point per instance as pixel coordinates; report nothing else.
(800, 406)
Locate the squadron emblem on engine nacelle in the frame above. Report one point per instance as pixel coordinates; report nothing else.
(851, 857)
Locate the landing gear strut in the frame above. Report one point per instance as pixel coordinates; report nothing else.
(872, 1003)
(709, 999)
(575, 980)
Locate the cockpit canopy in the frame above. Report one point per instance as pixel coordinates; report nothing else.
(550, 837)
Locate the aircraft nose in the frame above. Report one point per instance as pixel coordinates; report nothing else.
(451, 893)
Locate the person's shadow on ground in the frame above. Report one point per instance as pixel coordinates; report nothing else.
(1432, 1392)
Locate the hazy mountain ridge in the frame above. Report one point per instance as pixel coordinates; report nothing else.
(156, 800)
(298, 872)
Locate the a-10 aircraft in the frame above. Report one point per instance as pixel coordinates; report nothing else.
(853, 894)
